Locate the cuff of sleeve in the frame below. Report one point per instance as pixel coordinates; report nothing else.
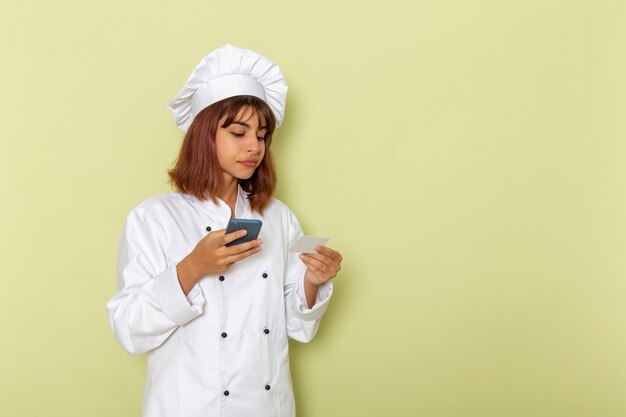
(195, 296)
(324, 292)
(179, 308)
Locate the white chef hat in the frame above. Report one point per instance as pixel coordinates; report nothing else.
(227, 72)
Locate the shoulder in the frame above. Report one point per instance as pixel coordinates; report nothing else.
(162, 200)
(156, 214)
(280, 214)
(161, 205)
(276, 208)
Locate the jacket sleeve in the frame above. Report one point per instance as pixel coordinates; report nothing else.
(149, 304)
(302, 322)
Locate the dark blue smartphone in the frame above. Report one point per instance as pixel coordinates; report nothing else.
(252, 226)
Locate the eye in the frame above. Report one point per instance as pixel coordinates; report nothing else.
(238, 134)
(260, 137)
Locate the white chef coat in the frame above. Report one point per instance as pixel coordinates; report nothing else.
(221, 350)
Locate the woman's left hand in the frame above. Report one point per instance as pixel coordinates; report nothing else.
(321, 266)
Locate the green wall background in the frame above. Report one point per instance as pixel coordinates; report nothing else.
(467, 157)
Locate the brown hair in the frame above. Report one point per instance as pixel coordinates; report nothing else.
(197, 170)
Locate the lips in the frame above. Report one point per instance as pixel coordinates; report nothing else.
(250, 163)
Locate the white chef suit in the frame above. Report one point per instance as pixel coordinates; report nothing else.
(221, 350)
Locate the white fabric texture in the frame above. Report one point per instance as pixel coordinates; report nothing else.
(227, 72)
(225, 335)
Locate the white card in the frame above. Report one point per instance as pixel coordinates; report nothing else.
(307, 244)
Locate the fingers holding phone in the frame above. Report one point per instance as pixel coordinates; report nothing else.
(219, 250)
(239, 251)
(251, 226)
(223, 248)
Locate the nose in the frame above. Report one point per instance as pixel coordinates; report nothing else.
(254, 145)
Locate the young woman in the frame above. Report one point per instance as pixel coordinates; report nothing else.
(215, 319)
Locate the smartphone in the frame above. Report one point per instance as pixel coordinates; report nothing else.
(252, 226)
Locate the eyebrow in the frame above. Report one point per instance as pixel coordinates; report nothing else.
(248, 126)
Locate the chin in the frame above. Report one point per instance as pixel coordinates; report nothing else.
(245, 176)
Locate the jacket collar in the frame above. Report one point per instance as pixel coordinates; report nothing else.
(242, 207)
(221, 210)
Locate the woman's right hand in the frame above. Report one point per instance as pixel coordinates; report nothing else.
(212, 256)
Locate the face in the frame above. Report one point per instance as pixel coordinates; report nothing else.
(241, 145)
